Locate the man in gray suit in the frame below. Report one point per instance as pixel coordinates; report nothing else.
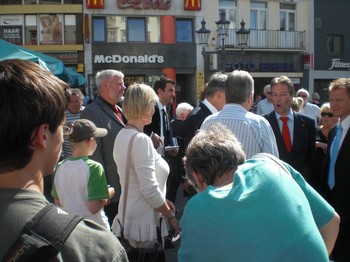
(105, 113)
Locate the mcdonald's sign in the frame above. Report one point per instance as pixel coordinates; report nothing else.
(193, 5)
(95, 3)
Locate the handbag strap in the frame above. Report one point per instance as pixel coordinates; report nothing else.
(126, 182)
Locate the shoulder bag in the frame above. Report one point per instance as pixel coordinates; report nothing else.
(151, 254)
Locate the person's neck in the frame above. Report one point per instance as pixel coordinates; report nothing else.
(135, 124)
(224, 181)
(24, 179)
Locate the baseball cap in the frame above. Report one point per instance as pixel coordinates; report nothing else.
(83, 129)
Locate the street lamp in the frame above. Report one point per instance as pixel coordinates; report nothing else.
(242, 37)
(203, 36)
(222, 29)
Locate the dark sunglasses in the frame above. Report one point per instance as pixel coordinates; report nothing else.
(330, 114)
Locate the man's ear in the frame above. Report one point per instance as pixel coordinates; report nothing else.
(40, 136)
(201, 185)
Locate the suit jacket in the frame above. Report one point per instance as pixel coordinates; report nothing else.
(193, 122)
(103, 116)
(339, 197)
(304, 138)
(155, 126)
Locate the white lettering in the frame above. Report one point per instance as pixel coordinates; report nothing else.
(336, 64)
(116, 59)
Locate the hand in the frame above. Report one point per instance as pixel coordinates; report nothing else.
(172, 152)
(171, 206)
(157, 140)
(111, 192)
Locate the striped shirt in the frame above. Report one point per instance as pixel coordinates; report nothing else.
(253, 131)
(66, 148)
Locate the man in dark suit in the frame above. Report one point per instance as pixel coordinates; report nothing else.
(299, 148)
(105, 113)
(214, 102)
(336, 188)
(160, 130)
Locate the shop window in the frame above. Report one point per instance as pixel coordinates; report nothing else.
(335, 45)
(184, 31)
(11, 28)
(230, 8)
(31, 32)
(116, 29)
(258, 13)
(70, 30)
(136, 27)
(99, 29)
(287, 17)
(153, 29)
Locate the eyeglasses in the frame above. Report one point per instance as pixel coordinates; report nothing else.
(67, 129)
(330, 114)
(302, 95)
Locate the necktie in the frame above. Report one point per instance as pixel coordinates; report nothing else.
(334, 155)
(286, 133)
(166, 128)
(118, 114)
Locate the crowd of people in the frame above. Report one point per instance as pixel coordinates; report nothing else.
(266, 179)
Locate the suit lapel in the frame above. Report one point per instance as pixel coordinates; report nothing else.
(109, 112)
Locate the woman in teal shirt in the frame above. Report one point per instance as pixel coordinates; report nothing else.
(255, 210)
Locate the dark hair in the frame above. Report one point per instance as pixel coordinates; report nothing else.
(161, 83)
(283, 80)
(29, 97)
(216, 83)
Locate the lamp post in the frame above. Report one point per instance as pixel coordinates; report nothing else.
(242, 37)
(222, 29)
(203, 36)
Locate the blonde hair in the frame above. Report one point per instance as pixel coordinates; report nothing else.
(138, 100)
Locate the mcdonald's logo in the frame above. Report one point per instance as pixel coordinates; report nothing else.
(95, 3)
(194, 5)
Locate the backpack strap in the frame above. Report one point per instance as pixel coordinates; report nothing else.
(43, 237)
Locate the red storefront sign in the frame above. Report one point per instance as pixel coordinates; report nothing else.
(95, 4)
(193, 5)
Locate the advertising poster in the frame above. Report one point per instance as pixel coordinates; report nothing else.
(11, 28)
(51, 29)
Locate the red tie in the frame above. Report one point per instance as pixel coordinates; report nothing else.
(119, 115)
(285, 133)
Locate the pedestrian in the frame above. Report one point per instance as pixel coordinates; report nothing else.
(255, 210)
(265, 106)
(253, 131)
(105, 113)
(32, 103)
(308, 108)
(295, 132)
(146, 207)
(335, 174)
(80, 185)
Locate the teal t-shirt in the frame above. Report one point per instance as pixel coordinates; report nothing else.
(266, 216)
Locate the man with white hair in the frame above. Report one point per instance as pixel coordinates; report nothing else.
(309, 109)
(265, 106)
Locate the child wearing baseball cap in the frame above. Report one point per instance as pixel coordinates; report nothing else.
(80, 185)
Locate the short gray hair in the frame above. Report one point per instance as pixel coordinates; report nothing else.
(106, 75)
(216, 83)
(238, 85)
(212, 153)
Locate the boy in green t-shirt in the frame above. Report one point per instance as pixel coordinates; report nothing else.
(80, 184)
